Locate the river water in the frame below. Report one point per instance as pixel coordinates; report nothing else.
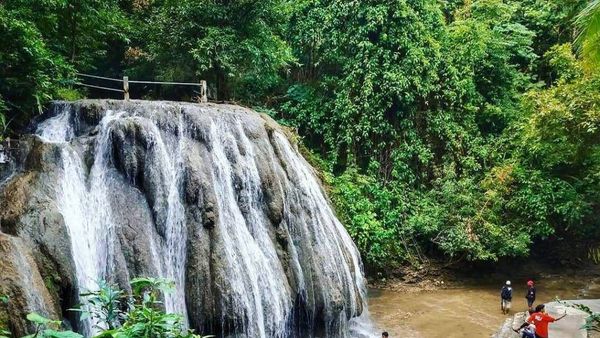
(473, 307)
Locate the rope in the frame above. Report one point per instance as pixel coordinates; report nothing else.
(167, 83)
(100, 77)
(98, 87)
(143, 82)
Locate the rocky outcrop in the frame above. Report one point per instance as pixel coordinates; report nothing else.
(23, 285)
(507, 329)
(214, 197)
(37, 268)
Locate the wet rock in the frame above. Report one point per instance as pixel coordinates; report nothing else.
(213, 196)
(199, 192)
(131, 214)
(24, 286)
(138, 155)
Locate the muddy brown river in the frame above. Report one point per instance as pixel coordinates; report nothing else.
(469, 309)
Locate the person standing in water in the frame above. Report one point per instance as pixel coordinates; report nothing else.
(530, 295)
(506, 297)
(541, 320)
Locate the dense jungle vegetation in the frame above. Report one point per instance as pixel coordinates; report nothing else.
(464, 129)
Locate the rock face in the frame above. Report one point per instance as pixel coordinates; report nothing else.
(213, 197)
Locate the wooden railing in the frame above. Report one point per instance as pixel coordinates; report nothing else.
(125, 85)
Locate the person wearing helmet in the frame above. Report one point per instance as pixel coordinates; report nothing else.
(530, 295)
(506, 297)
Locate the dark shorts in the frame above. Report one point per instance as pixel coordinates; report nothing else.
(527, 335)
(536, 336)
(530, 302)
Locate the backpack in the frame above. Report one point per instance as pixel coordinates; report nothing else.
(506, 293)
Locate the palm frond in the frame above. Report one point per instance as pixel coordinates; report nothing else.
(587, 40)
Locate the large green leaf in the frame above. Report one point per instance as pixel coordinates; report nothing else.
(61, 334)
(39, 319)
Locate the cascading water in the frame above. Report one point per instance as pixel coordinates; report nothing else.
(219, 201)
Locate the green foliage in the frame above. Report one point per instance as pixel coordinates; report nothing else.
(68, 94)
(45, 41)
(563, 64)
(3, 122)
(560, 139)
(47, 328)
(456, 129)
(31, 72)
(103, 306)
(139, 315)
(236, 45)
(588, 39)
(410, 107)
(366, 212)
(81, 31)
(379, 67)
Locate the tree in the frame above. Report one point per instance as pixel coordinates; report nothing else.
(588, 38)
(44, 43)
(395, 95)
(236, 45)
(82, 31)
(31, 73)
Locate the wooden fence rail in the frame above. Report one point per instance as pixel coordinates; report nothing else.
(125, 81)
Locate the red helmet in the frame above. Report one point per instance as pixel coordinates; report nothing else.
(530, 283)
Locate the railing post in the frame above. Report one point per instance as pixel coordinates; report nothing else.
(126, 87)
(203, 96)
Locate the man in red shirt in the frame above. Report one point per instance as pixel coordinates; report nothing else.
(541, 320)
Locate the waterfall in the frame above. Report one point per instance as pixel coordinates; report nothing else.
(220, 202)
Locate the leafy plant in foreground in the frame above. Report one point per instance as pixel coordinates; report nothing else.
(139, 315)
(47, 328)
(104, 306)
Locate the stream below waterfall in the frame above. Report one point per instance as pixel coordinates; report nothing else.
(470, 307)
